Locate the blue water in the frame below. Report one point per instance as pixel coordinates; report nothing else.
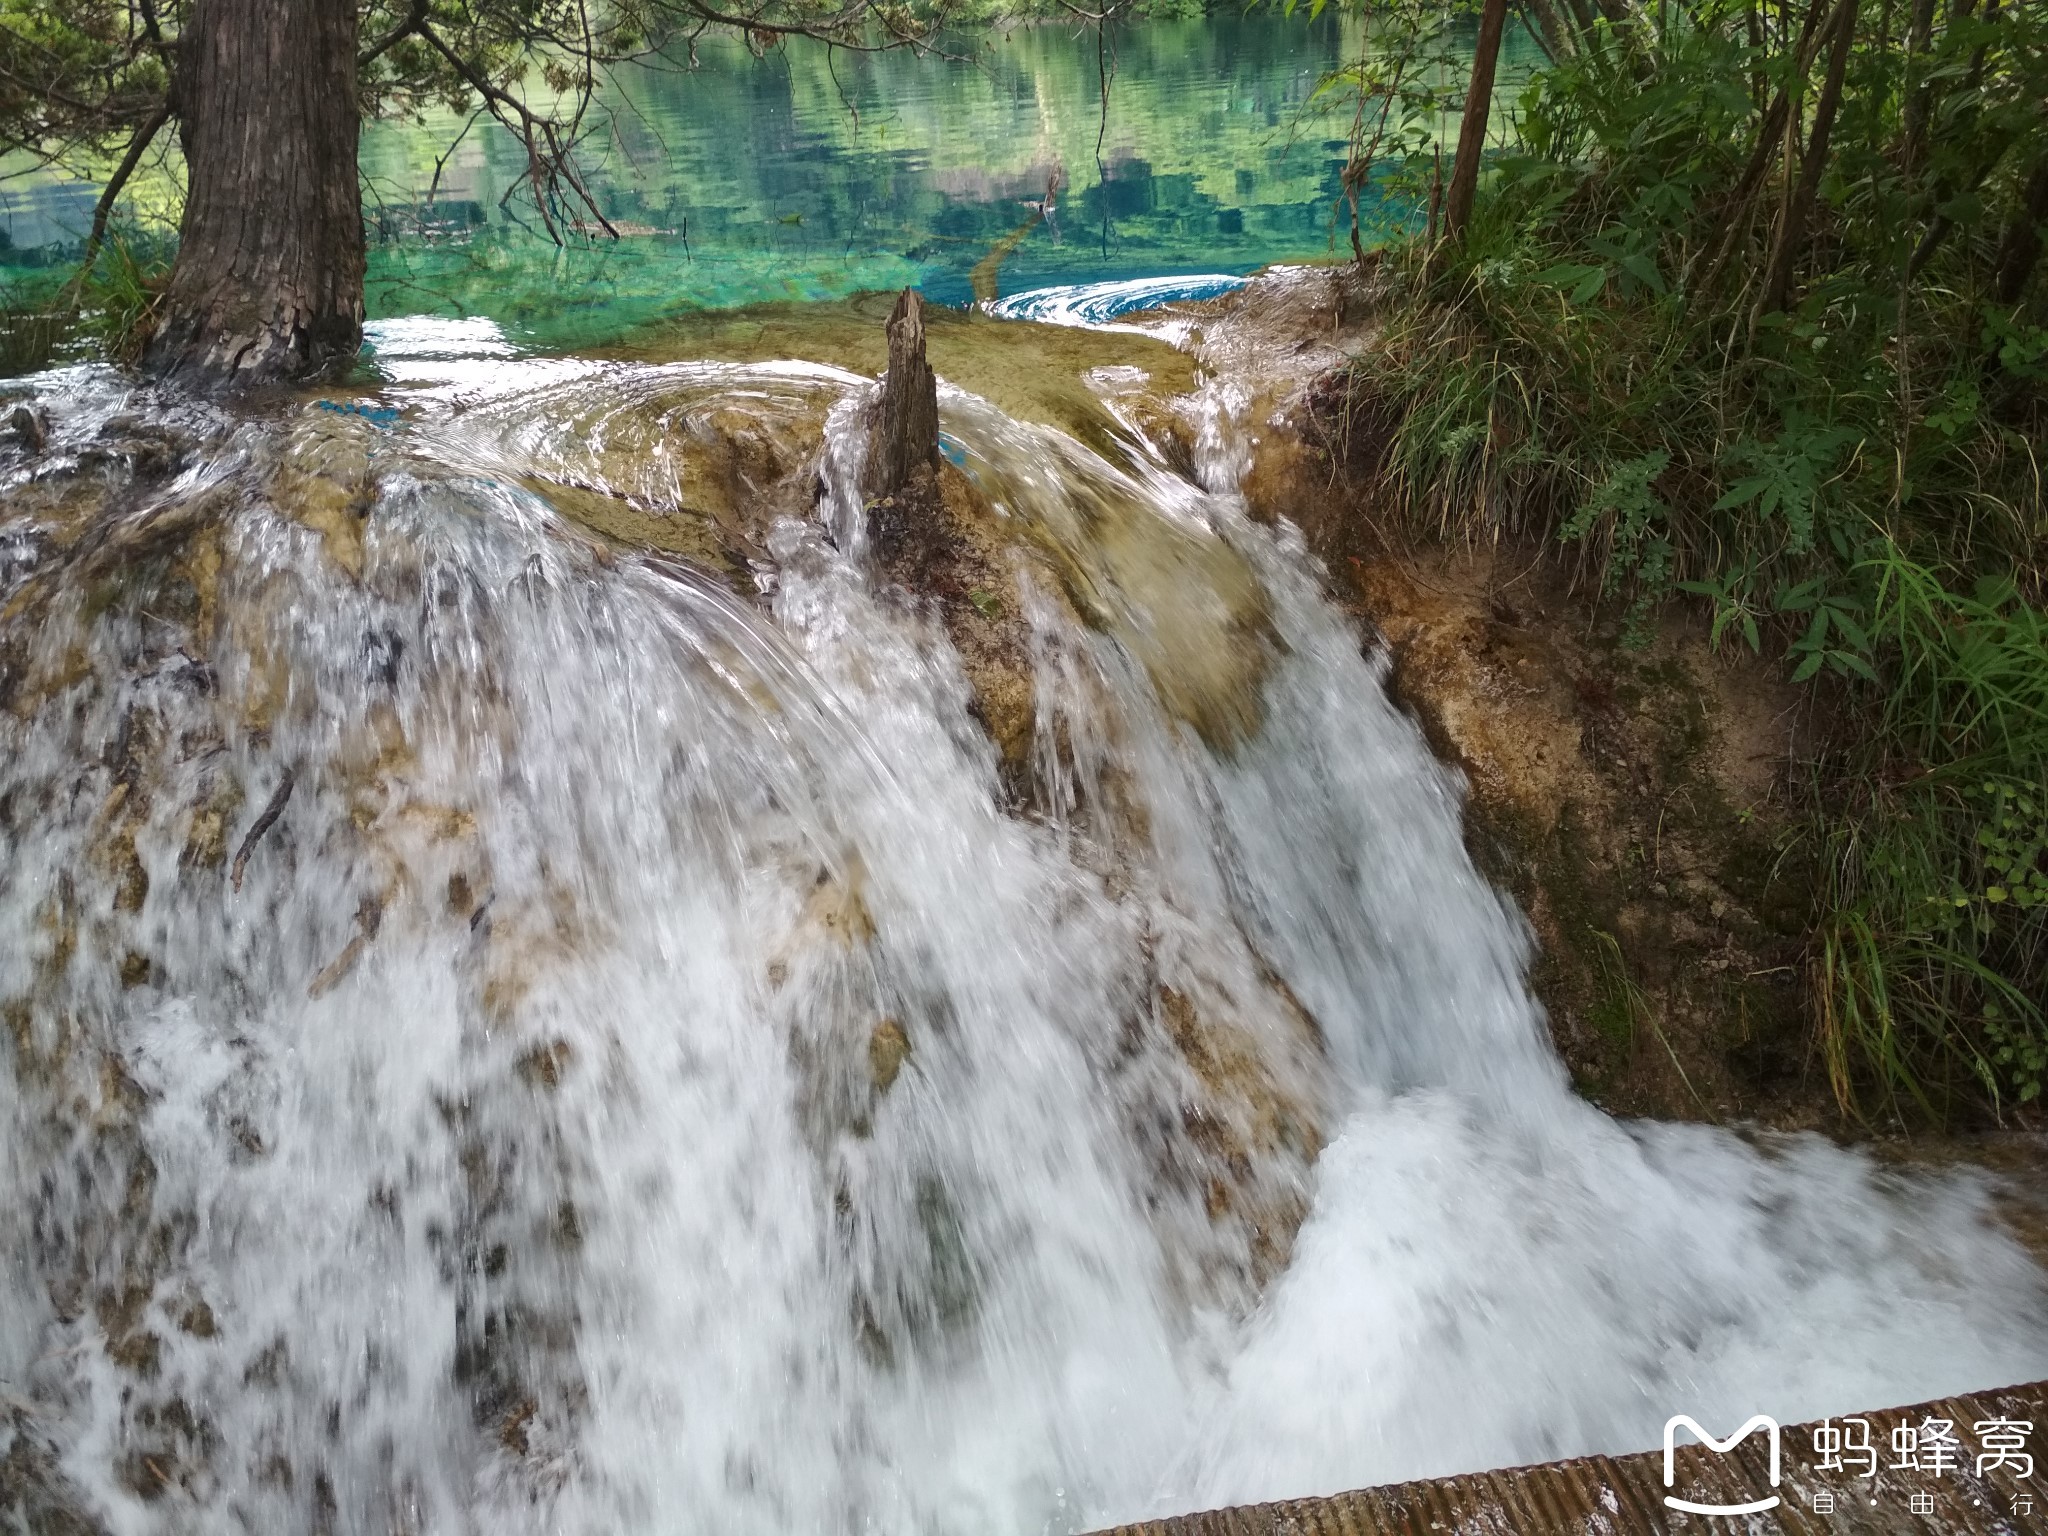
(805, 174)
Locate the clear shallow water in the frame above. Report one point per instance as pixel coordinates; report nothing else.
(802, 176)
(515, 1117)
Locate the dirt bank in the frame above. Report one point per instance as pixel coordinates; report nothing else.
(1640, 800)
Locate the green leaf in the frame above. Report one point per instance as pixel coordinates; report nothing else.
(1743, 491)
(1994, 591)
(1797, 599)
(1848, 628)
(1643, 270)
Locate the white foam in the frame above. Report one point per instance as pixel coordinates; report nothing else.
(707, 1280)
(1102, 306)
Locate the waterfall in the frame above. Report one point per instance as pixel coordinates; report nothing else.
(507, 1032)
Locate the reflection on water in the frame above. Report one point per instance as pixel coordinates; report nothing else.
(800, 175)
(803, 175)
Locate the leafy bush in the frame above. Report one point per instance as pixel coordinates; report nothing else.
(1820, 423)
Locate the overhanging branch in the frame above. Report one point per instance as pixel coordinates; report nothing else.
(103, 210)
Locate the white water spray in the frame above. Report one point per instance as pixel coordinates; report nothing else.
(647, 1078)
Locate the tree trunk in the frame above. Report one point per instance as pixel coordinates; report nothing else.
(1558, 40)
(1919, 94)
(1799, 206)
(1775, 130)
(2019, 248)
(269, 277)
(1472, 129)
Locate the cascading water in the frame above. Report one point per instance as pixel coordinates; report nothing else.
(506, 1033)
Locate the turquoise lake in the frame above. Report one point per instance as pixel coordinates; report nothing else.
(804, 173)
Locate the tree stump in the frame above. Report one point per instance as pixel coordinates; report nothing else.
(903, 432)
(900, 478)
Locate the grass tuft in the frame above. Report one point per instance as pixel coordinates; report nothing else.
(1851, 483)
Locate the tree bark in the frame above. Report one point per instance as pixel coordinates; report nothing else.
(1472, 128)
(1919, 94)
(1542, 18)
(908, 530)
(268, 282)
(2019, 248)
(1770, 135)
(903, 432)
(1799, 206)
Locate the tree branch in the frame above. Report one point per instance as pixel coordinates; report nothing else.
(543, 167)
(415, 19)
(1799, 207)
(1769, 134)
(103, 210)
